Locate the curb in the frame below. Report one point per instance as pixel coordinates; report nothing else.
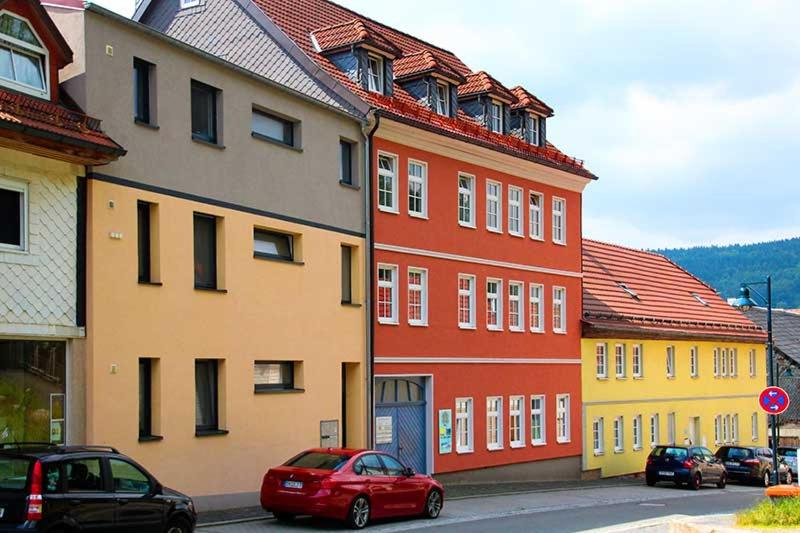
(234, 521)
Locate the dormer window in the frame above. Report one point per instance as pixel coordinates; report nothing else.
(189, 3)
(375, 73)
(443, 99)
(496, 117)
(533, 129)
(22, 56)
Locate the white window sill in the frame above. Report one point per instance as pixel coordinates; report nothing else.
(418, 324)
(617, 451)
(637, 448)
(540, 239)
(465, 225)
(638, 377)
(536, 444)
(516, 330)
(463, 326)
(464, 452)
(418, 215)
(540, 331)
(494, 329)
(598, 454)
(388, 322)
(621, 378)
(493, 230)
(494, 448)
(563, 441)
(520, 235)
(389, 210)
(517, 445)
(559, 243)
(560, 331)
(602, 378)
(670, 377)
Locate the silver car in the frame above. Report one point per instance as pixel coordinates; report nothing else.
(789, 456)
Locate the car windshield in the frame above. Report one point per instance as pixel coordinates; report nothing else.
(14, 473)
(788, 452)
(319, 460)
(676, 453)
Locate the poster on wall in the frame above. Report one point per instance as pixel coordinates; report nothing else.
(383, 430)
(445, 431)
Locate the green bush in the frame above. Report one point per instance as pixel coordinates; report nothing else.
(783, 512)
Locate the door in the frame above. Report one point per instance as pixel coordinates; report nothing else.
(138, 508)
(407, 493)
(89, 502)
(695, 435)
(378, 484)
(400, 420)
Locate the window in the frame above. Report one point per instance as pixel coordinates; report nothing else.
(273, 245)
(562, 418)
(533, 129)
(597, 436)
(496, 117)
(559, 221)
(13, 215)
(733, 365)
(206, 373)
(204, 112)
(637, 432)
(516, 421)
(84, 475)
(619, 359)
(654, 431)
(387, 294)
(752, 363)
(141, 90)
(494, 195)
(535, 216)
(463, 425)
(466, 301)
(273, 375)
(347, 274)
(128, 479)
(143, 226)
(735, 429)
(205, 251)
(346, 149)
(516, 320)
(23, 59)
(671, 428)
(601, 360)
(559, 309)
(716, 362)
(494, 304)
(442, 103)
(536, 293)
(515, 211)
(270, 127)
(718, 429)
(754, 426)
(670, 361)
(145, 397)
(392, 465)
(387, 183)
(723, 362)
(189, 3)
(417, 189)
(693, 361)
(638, 362)
(619, 435)
(417, 296)
(466, 209)
(494, 423)
(537, 420)
(375, 74)
(726, 420)
(369, 465)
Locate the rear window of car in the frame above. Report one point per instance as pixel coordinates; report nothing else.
(735, 454)
(788, 452)
(319, 460)
(14, 473)
(667, 451)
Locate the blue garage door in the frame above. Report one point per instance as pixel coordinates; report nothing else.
(403, 400)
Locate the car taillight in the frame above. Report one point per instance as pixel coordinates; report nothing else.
(34, 512)
(750, 462)
(649, 460)
(688, 463)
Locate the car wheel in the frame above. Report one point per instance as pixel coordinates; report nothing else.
(696, 482)
(178, 525)
(283, 517)
(358, 518)
(650, 481)
(789, 478)
(766, 479)
(723, 480)
(433, 505)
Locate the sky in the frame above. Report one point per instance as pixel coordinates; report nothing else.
(687, 111)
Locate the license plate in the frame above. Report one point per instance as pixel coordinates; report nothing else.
(666, 474)
(729, 463)
(293, 484)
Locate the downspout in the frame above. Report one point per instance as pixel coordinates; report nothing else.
(368, 130)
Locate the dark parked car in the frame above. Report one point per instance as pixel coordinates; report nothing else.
(789, 456)
(693, 465)
(350, 485)
(751, 464)
(68, 489)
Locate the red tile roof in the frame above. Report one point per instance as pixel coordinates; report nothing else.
(351, 33)
(482, 83)
(663, 301)
(43, 119)
(424, 62)
(300, 18)
(527, 100)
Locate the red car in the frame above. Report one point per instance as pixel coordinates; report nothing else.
(351, 485)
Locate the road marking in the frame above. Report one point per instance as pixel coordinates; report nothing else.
(653, 504)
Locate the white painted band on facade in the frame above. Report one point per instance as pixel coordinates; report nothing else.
(478, 360)
(686, 399)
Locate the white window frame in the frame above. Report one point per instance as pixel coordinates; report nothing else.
(723, 362)
(601, 360)
(619, 434)
(637, 433)
(497, 297)
(423, 182)
(393, 177)
(423, 290)
(559, 220)
(375, 79)
(515, 205)
(541, 413)
(655, 429)
(693, 362)
(754, 426)
(468, 416)
(671, 429)
(519, 299)
(726, 422)
(753, 363)
(519, 415)
(718, 429)
(494, 411)
(670, 361)
(536, 216)
(619, 361)
(733, 362)
(471, 295)
(533, 126)
(470, 194)
(637, 361)
(598, 437)
(536, 307)
(189, 3)
(496, 116)
(22, 188)
(442, 105)
(560, 304)
(735, 429)
(562, 418)
(393, 286)
(497, 200)
(40, 52)
(716, 362)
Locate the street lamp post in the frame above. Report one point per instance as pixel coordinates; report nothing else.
(745, 303)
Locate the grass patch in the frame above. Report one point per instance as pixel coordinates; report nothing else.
(783, 512)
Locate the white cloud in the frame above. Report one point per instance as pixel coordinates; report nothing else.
(123, 7)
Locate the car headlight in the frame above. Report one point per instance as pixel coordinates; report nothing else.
(190, 505)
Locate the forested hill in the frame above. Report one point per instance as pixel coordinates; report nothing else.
(725, 267)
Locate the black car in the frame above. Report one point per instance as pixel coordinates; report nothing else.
(751, 464)
(68, 489)
(693, 465)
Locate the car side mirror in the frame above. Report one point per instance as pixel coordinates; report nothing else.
(408, 471)
(157, 489)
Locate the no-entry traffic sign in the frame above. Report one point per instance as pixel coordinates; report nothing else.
(773, 400)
